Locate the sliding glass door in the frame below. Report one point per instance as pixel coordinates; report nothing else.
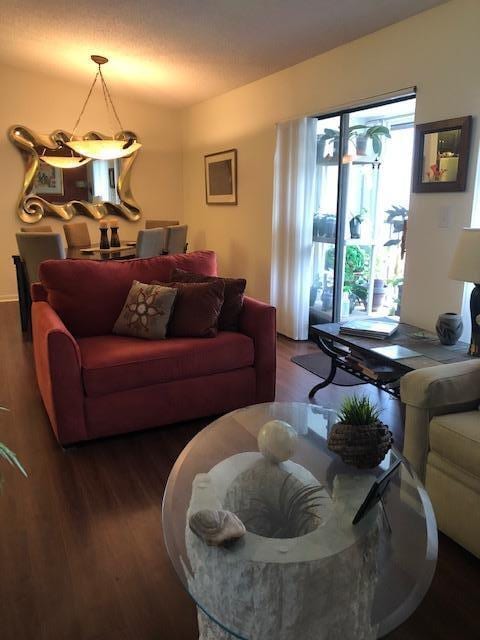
(325, 221)
(364, 163)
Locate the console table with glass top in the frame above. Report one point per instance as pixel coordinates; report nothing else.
(337, 580)
(347, 352)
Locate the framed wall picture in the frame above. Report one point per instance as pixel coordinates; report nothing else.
(48, 180)
(221, 177)
(440, 161)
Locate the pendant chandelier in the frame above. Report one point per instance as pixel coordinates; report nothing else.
(102, 149)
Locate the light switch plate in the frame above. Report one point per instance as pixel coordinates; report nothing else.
(444, 217)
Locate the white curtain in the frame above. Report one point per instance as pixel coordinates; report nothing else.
(293, 208)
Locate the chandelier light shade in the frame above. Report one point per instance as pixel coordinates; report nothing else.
(104, 148)
(64, 162)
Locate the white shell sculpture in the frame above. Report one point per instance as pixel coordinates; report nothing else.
(277, 440)
(216, 527)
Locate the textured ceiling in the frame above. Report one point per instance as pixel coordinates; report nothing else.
(179, 52)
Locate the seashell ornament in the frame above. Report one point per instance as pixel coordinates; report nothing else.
(216, 527)
(277, 440)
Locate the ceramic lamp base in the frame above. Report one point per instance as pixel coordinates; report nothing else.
(474, 349)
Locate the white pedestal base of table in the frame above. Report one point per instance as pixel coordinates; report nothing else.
(315, 587)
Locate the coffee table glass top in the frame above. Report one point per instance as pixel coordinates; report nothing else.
(370, 576)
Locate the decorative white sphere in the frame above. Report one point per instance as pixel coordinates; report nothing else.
(277, 440)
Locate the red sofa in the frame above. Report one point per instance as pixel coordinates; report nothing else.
(95, 384)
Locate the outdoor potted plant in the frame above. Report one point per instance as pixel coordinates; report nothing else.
(355, 224)
(360, 140)
(359, 437)
(375, 134)
(330, 225)
(379, 289)
(396, 287)
(396, 217)
(316, 285)
(327, 299)
(327, 136)
(321, 225)
(360, 291)
(334, 136)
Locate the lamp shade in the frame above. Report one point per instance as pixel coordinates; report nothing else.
(466, 259)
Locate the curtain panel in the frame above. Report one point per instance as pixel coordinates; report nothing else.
(292, 227)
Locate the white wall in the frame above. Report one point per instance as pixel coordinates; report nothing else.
(44, 103)
(438, 51)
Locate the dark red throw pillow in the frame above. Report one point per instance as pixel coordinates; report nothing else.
(233, 296)
(196, 310)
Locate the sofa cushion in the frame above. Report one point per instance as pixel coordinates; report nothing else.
(116, 363)
(233, 296)
(456, 437)
(146, 312)
(88, 295)
(196, 310)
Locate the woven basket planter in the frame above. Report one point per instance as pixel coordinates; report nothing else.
(362, 446)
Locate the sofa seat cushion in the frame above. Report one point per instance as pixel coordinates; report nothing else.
(117, 363)
(456, 438)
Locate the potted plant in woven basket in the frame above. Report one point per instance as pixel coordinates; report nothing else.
(359, 437)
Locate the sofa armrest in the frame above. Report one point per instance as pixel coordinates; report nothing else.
(427, 392)
(258, 321)
(58, 368)
(441, 386)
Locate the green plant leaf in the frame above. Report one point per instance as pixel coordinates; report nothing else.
(10, 457)
(378, 130)
(358, 411)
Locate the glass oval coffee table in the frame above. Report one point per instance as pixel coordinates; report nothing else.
(325, 578)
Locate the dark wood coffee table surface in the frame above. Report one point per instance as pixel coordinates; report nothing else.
(344, 349)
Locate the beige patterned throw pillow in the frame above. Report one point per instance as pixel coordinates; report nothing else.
(146, 311)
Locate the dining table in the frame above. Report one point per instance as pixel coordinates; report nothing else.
(126, 251)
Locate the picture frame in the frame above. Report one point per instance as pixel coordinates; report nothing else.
(48, 180)
(221, 177)
(441, 155)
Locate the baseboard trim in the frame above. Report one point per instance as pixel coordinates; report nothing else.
(7, 298)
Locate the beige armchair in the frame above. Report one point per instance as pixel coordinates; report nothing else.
(442, 442)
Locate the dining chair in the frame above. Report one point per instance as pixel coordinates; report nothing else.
(176, 239)
(34, 248)
(77, 235)
(154, 224)
(46, 228)
(151, 242)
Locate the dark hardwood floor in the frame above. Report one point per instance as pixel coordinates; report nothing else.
(81, 548)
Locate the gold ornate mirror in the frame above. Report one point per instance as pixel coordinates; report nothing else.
(95, 188)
